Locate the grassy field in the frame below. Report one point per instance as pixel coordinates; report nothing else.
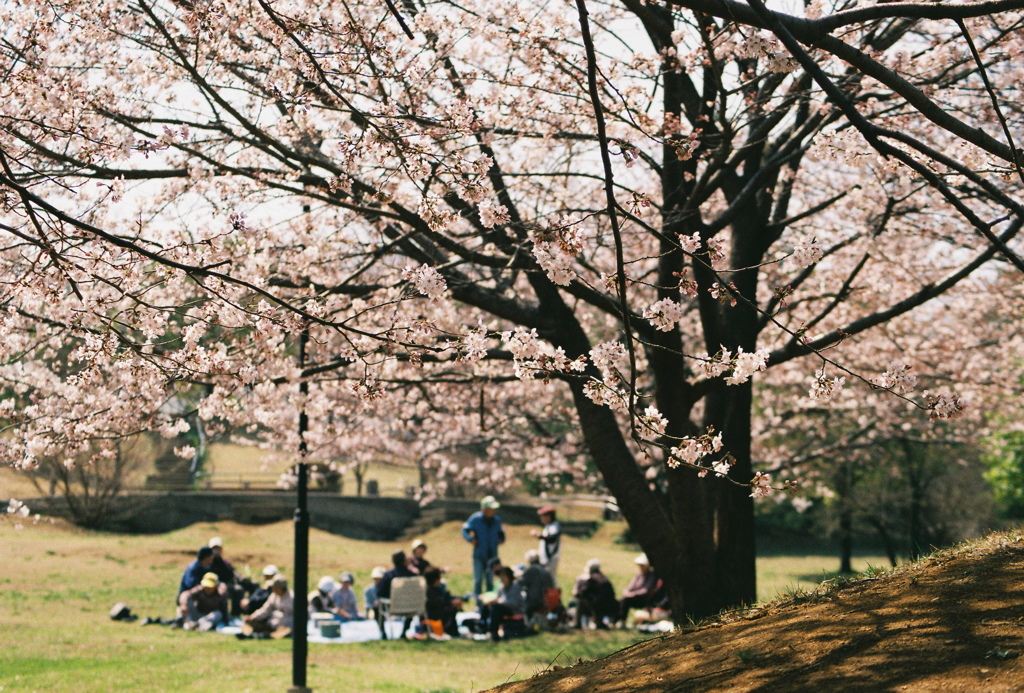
(58, 583)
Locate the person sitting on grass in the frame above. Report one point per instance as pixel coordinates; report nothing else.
(319, 600)
(509, 604)
(643, 592)
(441, 605)
(260, 594)
(536, 582)
(277, 615)
(595, 597)
(371, 597)
(417, 563)
(196, 570)
(344, 604)
(205, 606)
(237, 585)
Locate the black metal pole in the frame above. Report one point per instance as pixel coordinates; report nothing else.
(299, 644)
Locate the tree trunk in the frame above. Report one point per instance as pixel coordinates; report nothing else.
(845, 520)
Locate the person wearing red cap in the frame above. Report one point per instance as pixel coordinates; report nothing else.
(550, 540)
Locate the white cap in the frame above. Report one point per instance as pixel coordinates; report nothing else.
(489, 503)
(270, 571)
(378, 572)
(641, 560)
(326, 584)
(216, 542)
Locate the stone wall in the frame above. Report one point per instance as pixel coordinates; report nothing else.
(369, 518)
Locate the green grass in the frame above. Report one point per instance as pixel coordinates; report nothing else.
(59, 583)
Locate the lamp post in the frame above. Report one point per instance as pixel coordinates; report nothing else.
(299, 644)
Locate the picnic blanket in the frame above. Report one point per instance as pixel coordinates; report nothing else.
(351, 631)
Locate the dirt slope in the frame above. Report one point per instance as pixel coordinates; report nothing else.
(952, 623)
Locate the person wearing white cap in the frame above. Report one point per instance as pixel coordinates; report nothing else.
(371, 601)
(319, 600)
(418, 561)
(643, 591)
(235, 584)
(484, 531)
(260, 594)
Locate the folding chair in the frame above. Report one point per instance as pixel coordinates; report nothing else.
(408, 599)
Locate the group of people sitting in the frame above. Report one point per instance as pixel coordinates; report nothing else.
(212, 592)
(527, 597)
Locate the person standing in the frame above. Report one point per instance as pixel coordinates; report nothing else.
(484, 531)
(550, 549)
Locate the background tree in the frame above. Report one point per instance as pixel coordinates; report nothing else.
(636, 210)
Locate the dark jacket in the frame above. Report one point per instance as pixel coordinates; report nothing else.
(536, 581)
(384, 589)
(439, 602)
(599, 593)
(193, 574)
(223, 569)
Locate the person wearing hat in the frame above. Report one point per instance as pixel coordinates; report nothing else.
(344, 604)
(260, 595)
(196, 570)
(643, 591)
(595, 597)
(236, 584)
(371, 598)
(276, 616)
(550, 540)
(484, 531)
(417, 561)
(205, 606)
(319, 600)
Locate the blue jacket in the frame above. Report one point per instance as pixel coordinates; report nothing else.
(193, 574)
(489, 534)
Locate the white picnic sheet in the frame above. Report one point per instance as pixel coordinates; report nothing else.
(353, 631)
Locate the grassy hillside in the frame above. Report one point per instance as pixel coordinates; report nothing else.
(953, 622)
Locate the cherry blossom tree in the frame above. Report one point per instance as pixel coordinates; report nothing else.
(530, 230)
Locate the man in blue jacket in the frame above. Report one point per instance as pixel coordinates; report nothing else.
(484, 531)
(196, 570)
